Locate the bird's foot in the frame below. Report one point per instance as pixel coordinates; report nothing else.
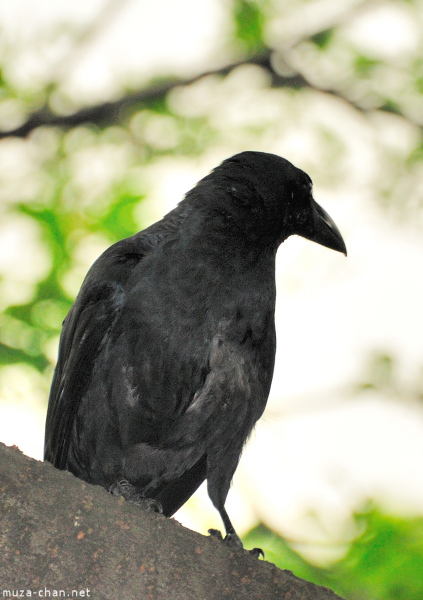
(256, 552)
(232, 540)
(128, 491)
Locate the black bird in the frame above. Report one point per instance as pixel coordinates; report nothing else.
(166, 357)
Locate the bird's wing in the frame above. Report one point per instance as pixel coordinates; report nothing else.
(174, 494)
(84, 329)
(207, 440)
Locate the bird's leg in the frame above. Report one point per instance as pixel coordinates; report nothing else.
(232, 539)
(123, 488)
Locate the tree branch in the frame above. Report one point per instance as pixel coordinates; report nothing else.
(108, 113)
(59, 533)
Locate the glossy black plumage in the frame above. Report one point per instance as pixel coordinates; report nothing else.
(166, 358)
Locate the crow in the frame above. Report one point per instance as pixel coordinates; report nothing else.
(167, 355)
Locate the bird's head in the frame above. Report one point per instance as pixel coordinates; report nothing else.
(277, 198)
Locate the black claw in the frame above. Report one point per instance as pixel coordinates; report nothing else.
(216, 533)
(232, 540)
(128, 491)
(257, 552)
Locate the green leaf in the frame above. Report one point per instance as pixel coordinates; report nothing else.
(384, 561)
(249, 25)
(323, 38)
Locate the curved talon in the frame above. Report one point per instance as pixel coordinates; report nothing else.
(257, 552)
(231, 539)
(234, 541)
(215, 533)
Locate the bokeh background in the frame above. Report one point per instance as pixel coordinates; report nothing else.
(110, 110)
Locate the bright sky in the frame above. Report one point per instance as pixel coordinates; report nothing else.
(320, 448)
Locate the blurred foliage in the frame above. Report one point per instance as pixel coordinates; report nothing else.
(381, 375)
(383, 562)
(81, 188)
(71, 192)
(249, 25)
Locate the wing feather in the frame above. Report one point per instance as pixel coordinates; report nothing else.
(84, 329)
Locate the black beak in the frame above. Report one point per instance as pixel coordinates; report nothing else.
(323, 230)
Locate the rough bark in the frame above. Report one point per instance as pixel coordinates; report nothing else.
(61, 534)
